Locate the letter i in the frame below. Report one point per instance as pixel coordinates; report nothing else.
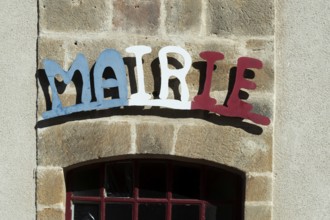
(204, 101)
(139, 51)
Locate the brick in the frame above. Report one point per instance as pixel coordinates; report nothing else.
(74, 142)
(262, 212)
(226, 144)
(183, 16)
(240, 17)
(50, 186)
(154, 138)
(75, 15)
(258, 188)
(50, 214)
(136, 16)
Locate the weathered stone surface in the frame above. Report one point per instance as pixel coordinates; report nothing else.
(92, 48)
(50, 186)
(41, 105)
(258, 188)
(75, 15)
(240, 17)
(49, 48)
(258, 212)
(262, 50)
(227, 145)
(50, 214)
(262, 103)
(154, 138)
(183, 16)
(136, 16)
(74, 142)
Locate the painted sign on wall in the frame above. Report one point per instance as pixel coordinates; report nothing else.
(235, 107)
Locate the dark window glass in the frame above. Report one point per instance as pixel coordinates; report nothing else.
(152, 211)
(119, 180)
(221, 212)
(86, 211)
(86, 182)
(221, 186)
(118, 211)
(154, 190)
(152, 180)
(186, 182)
(182, 212)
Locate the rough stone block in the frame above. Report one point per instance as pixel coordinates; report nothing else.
(240, 17)
(262, 103)
(227, 145)
(258, 188)
(136, 16)
(264, 51)
(50, 186)
(50, 214)
(41, 105)
(261, 212)
(75, 15)
(152, 138)
(49, 48)
(183, 16)
(74, 142)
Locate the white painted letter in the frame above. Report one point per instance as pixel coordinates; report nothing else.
(141, 96)
(166, 73)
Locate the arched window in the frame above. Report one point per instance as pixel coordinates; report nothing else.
(153, 190)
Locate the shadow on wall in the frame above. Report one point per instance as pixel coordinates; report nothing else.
(174, 84)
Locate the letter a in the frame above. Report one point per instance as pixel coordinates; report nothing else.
(110, 58)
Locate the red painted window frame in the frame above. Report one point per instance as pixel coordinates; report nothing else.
(169, 200)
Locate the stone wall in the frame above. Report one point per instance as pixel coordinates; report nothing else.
(235, 28)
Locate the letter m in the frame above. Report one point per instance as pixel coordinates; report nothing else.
(52, 69)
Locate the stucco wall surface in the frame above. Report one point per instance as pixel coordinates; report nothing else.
(302, 140)
(18, 32)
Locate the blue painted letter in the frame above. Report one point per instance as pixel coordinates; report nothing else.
(110, 58)
(52, 69)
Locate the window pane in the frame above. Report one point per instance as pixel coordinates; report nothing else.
(221, 186)
(186, 182)
(152, 211)
(117, 211)
(189, 212)
(119, 182)
(152, 180)
(222, 212)
(85, 182)
(84, 211)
